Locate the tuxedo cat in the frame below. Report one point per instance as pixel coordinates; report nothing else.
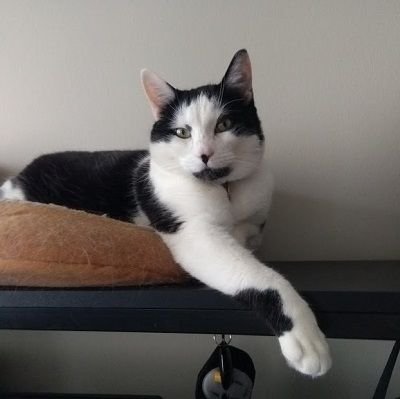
(204, 186)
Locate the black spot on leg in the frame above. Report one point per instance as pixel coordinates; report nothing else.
(268, 304)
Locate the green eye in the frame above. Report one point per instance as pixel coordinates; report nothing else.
(223, 125)
(183, 133)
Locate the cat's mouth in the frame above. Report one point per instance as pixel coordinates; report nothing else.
(213, 174)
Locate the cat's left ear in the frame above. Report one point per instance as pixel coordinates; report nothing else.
(158, 91)
(238, 75)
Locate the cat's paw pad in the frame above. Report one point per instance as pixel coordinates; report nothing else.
(306, 350)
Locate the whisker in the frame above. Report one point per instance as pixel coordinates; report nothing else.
(221, 92)
(230, 102)
(174, 108)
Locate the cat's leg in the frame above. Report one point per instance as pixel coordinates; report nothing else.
(10, 190)
(211, 255)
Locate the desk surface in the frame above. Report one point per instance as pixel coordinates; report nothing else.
(351, 300)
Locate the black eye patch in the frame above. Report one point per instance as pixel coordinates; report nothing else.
(242, 115)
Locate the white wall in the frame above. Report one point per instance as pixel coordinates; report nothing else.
(327, 85)
(326, 80)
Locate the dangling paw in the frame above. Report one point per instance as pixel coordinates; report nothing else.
(305, 348)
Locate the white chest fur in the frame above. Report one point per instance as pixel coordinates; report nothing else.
(190, 198)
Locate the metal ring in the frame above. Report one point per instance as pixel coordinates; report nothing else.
(223, 339)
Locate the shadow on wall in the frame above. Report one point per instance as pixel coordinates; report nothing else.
(12, 356)
(305, 228)
(4, 174)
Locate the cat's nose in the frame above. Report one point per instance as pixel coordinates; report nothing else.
(205, 158)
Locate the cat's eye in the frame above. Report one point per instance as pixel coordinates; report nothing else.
(183, 133)
(223, 125)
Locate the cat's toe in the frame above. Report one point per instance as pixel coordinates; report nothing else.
(306, 350)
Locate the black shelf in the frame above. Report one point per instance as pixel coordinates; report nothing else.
(351, 300)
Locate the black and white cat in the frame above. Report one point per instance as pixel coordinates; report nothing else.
(204, 186)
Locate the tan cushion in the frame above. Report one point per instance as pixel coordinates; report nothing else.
(51, 246)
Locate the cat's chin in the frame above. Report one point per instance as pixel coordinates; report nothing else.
(213, 174)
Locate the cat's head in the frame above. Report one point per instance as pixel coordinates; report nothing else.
(212, 132)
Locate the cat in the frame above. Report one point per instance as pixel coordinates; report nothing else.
(204, 186)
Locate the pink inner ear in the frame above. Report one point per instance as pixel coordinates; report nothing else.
(240, 76)
(158, 92)
(156, 95)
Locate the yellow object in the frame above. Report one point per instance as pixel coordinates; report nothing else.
(217, 377)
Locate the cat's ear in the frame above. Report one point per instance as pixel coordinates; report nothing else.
(158, 91)
(238, 75)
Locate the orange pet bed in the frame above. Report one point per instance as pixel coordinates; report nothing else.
(51, 246)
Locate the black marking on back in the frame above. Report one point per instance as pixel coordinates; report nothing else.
(243, 114)
(160, 217)
(268, 304)
(100, 182)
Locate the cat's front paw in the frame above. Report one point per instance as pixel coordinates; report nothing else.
(305, 348)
